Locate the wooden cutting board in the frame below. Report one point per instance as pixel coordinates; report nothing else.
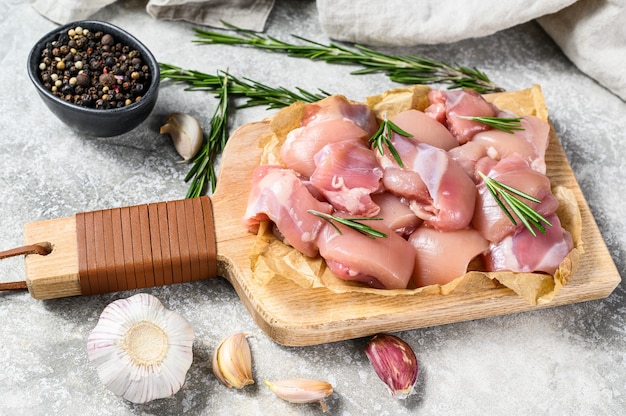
(296, 316)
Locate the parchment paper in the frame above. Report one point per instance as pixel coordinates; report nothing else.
(273, 259)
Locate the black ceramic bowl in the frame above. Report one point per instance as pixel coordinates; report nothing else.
(93, 121)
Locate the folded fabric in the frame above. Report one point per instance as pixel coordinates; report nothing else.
(591, 33)
(246, 14)
(66, 11)
(404, 22)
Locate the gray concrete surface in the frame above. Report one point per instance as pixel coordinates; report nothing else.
(558, 361)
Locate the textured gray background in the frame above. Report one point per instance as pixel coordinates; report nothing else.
(558, 361)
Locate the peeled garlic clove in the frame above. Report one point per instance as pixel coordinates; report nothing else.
(232, 361)
(301, 390)
(186, 134)
(394, 362)
(141, 350)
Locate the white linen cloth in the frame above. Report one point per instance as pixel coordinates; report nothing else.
(246, 14)
(405, 22)
(591, 33)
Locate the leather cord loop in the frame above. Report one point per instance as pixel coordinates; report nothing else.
(42, 249)
(39, 248)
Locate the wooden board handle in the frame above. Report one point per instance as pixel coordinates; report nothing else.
(123, 248)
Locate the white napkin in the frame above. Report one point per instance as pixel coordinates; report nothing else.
(406, 22)
(66, 11)
(592, 33)
(246, 14)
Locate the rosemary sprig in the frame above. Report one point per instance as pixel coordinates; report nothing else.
(382, 138)
(256, 93)
(506, 124)
(405, 69)
(203, 169)
(271, 97)
(225, 85)
(528, 216)
(352, 223)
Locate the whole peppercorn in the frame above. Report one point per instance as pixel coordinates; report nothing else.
(82, 80)
(95, 63)
(110, 61)
(91, 69)
(107, 40)
(107, 79)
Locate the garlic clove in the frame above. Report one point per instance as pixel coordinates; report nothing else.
(394, 362)
(141, 350)
(232, 361)
(186, 134)
(301, 390)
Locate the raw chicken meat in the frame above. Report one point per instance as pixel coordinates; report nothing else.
(467, 156)
(303, 143)
(524, 252)
(529, 144)
(347, 173)
(447, 106)
(489, 219)
(443, 256)
(280, 196)
(437, 188)
(396, 214)
(337, 107)
(424, 129)
(382, 263)
(434, 206)
(453, 193)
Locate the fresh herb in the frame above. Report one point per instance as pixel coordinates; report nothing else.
(404, 69)
(506, 124)
(203, 169)
(257, 94)
(352, 223)
(382, 138)
(506, 194)
(225, 85)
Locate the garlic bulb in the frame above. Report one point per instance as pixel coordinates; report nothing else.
(232, 361)
(141, 350)
(394, 362)
(186, 134)
(301, 390)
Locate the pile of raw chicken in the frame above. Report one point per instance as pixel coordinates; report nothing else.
(437, 213)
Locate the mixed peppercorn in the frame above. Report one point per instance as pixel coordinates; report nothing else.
(91, 69)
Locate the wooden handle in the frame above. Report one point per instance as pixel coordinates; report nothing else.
(123, 248)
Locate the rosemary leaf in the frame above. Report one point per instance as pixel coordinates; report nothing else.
(225, 86)
(195, 79)
(406, 69)
(256, 93)
(506, 194)
(352, 223)
(382, 139)
(506, 124)
(203, 169)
